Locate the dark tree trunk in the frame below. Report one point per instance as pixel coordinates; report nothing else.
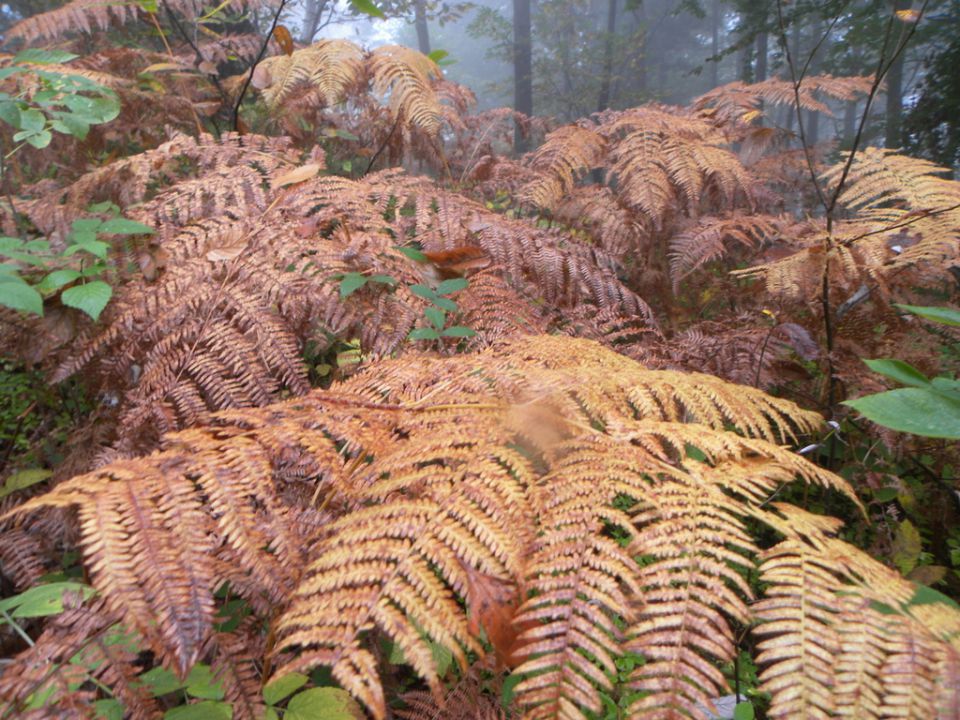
(420, 21)
(522, 68)
(813, 122)
(606, 79)
(311, 20)
(894, 85)
(763, 42)
(715, 45)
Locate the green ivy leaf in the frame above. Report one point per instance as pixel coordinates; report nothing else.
(459, 331)
(91, 297)
(447, 287)
(325, 703)
(943, 315)
(283, 687)
(350, 283)
(16, 294)
(43, 600)
(914, 410)
(424, 334)
(903, 372)
(124, 226)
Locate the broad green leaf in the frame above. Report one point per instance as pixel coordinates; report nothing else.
(744, 711)
(384, 279)
(903, 372)
(32, 120)
(423, 291)
(91, 298)
(885, 494)
(924, 595)
(37, 56)
(16, 294)
(943, 315)
(57, 279)
(946, 387)
(83, 243)
(43, 600)
(324, 703)
(108, 709)
(283, 687)
(459, 331)
(412, 253)
(913, 410)
(452, 285)
(201, 683)
(424, 334)
(206, 710)
(436, 316)
(367, 7)
(438, 55)
(24, 479)
(70, 124)
(124, 226)
(161, 681)
(10, 112)
(350, 283)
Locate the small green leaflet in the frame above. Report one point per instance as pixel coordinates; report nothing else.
(24, 479)
(744, 711)
(453, 285)
(459, 331)
(17, 295)
(436, 316)
(903, 372)
(367, 7)
(350, 283)
(283, 687)
(124, 226)
(412, 253)
(36, 56)
(424, 334)
(206, 710)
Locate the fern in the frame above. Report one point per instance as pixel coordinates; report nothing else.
(439, 520)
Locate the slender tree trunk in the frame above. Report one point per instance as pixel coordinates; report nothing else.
(715, 45)
(763, 45)
(607, 78)
(795, 54)
(522, 68)
(894, 84)
(813, 122)
(420, 21)
(849, 123)
(311, 20)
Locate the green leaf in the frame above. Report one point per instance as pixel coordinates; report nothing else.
(906, 548)
(24, 479)
(452, 285)
(108, 709)
(459, 331)
(43, 600)
(37, 56)
(384, 279)
(16, 294)
(347, 165)
(32, 120)
(436, 316)
(161, 681)
(325, 703)
(427, 293)
(345, 134)
(282, 687)
(424, 334)
(744, 711)
(91, 297)
(438, 55)
(57, 279)
(10, 112)
(39, 140)
(206, 710)
(943, 315)
(201, 683)
(367, 7)
(124, 226)
(70, 124)
(350, 283)
(412, 253)
(445, 303)
(83, 243)
(903, 372)
(914, 410)
(886, 494)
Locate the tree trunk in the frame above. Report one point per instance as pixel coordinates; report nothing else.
(607, 78)
(894, 84)
(311, 20)
(715, 45)
(420, 21)
(763, 42)
(813, 122)
(522, 68)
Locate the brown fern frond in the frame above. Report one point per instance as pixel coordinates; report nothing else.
(331, 67)
(405, 76)
(711, 238)
(567, 155)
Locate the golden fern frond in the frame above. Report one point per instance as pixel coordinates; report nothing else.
(405, 77)
(566, 155)
(844, 635)
(450, 484)
(328, 66)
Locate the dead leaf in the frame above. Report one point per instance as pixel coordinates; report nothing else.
(284, 39)
(224, 253)
(297, 175)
